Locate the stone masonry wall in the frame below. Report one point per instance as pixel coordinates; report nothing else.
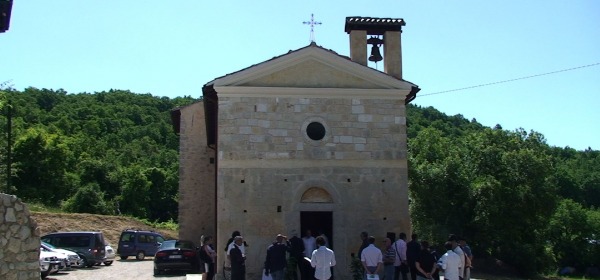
(19, 241)
(267, 163)
(196, 176)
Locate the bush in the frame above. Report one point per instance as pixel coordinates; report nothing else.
(88, 199)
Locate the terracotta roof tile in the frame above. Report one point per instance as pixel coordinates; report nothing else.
(374, 26)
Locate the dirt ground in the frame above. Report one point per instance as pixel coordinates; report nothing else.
(111, 226)
(129, 269)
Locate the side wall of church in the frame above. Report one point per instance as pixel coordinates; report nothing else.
(267, 162)
(196, 176)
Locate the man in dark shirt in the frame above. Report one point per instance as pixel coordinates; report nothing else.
(297, 252)
(425, 263)
(363, 236)
(413, 248)
(276, 258)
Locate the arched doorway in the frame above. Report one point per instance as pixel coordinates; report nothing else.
(317, 221)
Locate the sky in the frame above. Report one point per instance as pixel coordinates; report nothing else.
(173, 48)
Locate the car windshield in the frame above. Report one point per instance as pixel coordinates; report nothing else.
(48, 245)
(172, 244)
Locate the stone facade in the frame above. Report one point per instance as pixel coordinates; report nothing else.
(19, 241)
(270, 171)
(264, 171)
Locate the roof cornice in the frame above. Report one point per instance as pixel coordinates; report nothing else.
(329, 93)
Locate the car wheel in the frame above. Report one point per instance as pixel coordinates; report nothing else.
(82, 262)
(157, 272)
(140, 255)
(108, 263)
(45, 273)
(123, 257)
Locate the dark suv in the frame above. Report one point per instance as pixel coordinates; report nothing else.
(139, 243)
(88, 245)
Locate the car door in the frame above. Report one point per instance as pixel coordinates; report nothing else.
(148, 243)
(127, 244)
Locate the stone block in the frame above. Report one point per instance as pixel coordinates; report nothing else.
(14, 246)
(9, 216)
(365, 118)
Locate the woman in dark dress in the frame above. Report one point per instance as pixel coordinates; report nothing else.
(238, 260)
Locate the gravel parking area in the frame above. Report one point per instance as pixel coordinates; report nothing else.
(129, 269)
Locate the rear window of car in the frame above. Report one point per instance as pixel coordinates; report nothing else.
(127, 236)
(172, 244)
(72, 241)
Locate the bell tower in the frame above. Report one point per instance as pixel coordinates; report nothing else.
(359, 28)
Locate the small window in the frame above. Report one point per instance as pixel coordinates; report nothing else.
(142, 238)
(315, 131)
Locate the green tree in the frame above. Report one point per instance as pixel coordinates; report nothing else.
(570, 232)
(41, 162)
(135, 199)
(88, 199)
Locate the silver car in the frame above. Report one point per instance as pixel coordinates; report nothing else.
(73, 259)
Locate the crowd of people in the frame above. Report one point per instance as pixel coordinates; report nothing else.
(396, 260)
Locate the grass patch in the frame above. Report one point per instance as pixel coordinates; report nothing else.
(39, 207)
(168, 225)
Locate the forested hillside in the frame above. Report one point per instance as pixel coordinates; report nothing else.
(510, 194)
(112, 152)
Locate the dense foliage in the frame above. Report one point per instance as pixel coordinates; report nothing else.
(509, 193)
(108, 152)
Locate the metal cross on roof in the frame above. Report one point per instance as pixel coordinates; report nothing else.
(312, 24)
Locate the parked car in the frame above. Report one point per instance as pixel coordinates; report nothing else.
(138, 243)
(63, 260)
(88, 245)
(73, 259)
(176, 255)
(110, 254)
(49, 263)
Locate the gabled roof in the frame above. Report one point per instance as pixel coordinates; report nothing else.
(307, 72)
(327, 59)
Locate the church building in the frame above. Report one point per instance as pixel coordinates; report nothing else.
(308, 140)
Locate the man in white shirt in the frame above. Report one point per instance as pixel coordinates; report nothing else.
(400, 263)
(371, 258)
(309, 244)
(322, 260)
(461, 269)
(450, 263)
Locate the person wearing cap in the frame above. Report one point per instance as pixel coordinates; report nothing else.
(276, 261)
(297, 252)
(322, 260)
(238, 259)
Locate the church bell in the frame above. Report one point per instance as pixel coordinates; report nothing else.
(375, 54)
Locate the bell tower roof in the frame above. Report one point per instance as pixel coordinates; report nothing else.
(374, 26)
